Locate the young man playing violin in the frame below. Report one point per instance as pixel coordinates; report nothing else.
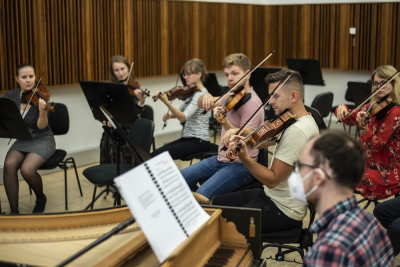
(279, 210)
(380, 137)
(221, 175)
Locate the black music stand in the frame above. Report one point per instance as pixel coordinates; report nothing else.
(113, 96)
(359, 91)
(211, 84)
(12, 124)
(309, 70)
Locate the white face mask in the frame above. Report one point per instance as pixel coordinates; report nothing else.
(297, 188)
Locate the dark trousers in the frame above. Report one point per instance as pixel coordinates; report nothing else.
(272, 218)
(388, 214)
(183, 147)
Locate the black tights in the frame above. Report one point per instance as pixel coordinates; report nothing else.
(28, 163)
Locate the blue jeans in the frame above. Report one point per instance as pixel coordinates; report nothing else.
(221, 177)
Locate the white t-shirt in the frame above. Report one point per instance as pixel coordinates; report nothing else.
(288, 150)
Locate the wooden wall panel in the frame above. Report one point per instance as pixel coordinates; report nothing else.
(72, 40)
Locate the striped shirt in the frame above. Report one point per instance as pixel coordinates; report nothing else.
(349, 236)
(196, 125)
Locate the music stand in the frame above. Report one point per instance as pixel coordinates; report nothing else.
(12, 124)
(211, 83)
(309, 70)
(359, 91)
(113, 96)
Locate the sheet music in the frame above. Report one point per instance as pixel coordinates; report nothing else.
(162, 203)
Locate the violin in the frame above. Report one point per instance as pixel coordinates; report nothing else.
(372, 94)
(277, 88)
(39, 91)
(378, 110)
(180, 92)
(237, 84)
(134, 85)
(264, 133)
(239, 93)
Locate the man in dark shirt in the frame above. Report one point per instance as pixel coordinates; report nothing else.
(325, 176)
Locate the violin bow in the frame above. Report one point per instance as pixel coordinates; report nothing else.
(277, 88)
(129, 73)
(374, 93)
(244, 77)
(33, 92)
(176, 84)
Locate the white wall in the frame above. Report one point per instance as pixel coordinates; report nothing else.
(83, 138)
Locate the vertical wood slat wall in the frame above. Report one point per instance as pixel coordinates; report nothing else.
(72, 40)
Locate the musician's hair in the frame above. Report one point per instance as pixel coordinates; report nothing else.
(238, 59)
(24, 65)
(118, 59)
(196, 66)
(385, 72)
(344, 155)
(294, 83)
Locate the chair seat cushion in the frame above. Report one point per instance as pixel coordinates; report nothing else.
(54, 160)
(286, 236)
(103, 174)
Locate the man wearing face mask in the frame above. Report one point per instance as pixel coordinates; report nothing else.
(325, 176)
(279, 211)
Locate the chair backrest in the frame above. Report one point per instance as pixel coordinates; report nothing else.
(348, 96)
(317, 117)
(142, 133)
(59, 119)
(263, 157)
(147, 113)
(257, 81)
(359, 91)
(323, 103)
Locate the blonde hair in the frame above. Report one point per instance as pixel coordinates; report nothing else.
(196, 66)
(238, 59)
(118, 59)
(385, 72)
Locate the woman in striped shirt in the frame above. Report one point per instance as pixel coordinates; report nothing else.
(195, 137)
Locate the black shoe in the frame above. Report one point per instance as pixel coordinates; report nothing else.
(40, 205)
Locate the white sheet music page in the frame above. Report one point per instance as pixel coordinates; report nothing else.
(162, 203)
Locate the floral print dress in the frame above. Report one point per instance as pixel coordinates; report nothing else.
(382, 148)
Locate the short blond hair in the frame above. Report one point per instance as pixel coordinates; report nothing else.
(238, 59)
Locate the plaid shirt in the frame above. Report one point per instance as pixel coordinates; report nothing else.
(349, 236)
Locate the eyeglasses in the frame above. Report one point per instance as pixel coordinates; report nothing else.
(297, 165)
(377, 85)
(184, 74)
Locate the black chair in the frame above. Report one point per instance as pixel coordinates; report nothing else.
(319, 120)
(369, 201)
(101, 175)
(148, 113)
(59, 123)
(299, 236)
(323, 103)
(348, 97)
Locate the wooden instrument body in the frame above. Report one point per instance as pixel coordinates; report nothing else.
(49, 239)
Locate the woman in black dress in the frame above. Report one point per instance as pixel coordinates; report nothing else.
(28, 155)
(119, 71)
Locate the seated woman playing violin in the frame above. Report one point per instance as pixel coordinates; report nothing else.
(120, 72)
(380, 136)
(279, 210)
(222, 175)
(195, 137)
(28, 155)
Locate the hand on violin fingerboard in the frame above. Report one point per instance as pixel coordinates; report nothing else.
(225, 140)
(216, 114)
(242, 153)
(139, 94)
